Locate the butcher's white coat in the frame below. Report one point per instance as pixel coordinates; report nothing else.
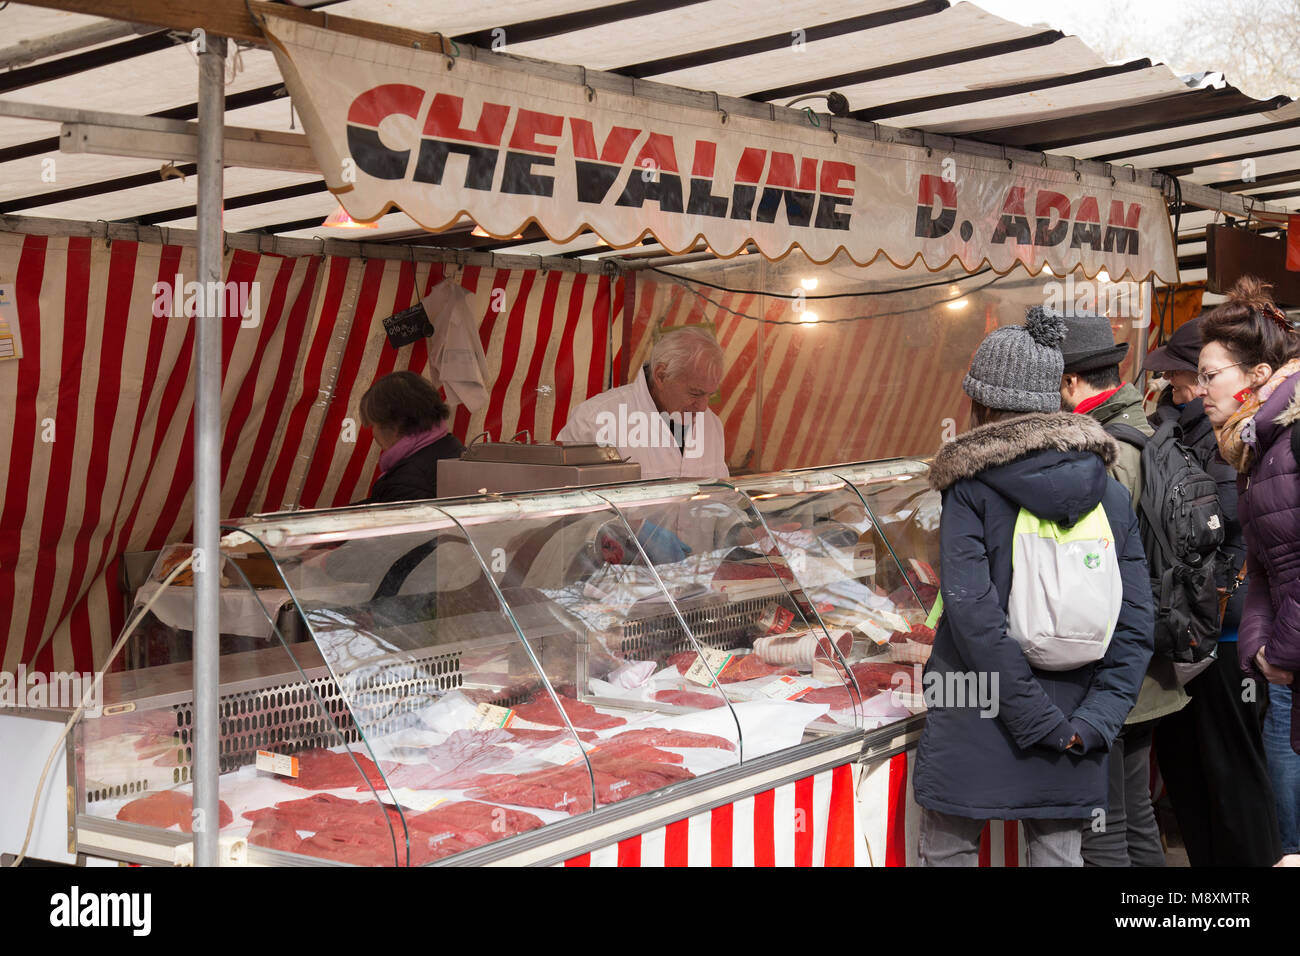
(660, 457)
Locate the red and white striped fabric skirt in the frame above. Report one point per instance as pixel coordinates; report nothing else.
(808, 822)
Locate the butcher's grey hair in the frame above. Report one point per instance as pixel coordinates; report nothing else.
(687, 348)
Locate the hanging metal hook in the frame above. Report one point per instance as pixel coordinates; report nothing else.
(717, 105)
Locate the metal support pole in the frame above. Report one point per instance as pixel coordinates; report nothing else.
(207, 447)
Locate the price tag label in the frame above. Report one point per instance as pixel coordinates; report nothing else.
(411, 799)
(787, 688)
(281, 764)
(716, 660)
(893, 621)
(490, 717)
(876, 632)
(924, 572)
(566, 751)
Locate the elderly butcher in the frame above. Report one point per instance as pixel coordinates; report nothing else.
(662, 419)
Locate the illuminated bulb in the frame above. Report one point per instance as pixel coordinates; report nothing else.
(484, 234)
(958, 304)
(339, 219)
(1103, 276)
(807, 316)
(809, 284)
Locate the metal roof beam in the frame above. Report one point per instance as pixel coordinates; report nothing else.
(81, 62)
(926, 104)
(55, 44)
(1184, 169)
(919, 65)
(121, 134)
(781, 41)
(545, 27)
(276, 245)
(1206, 140)
(1193, 108)
(1273, 179)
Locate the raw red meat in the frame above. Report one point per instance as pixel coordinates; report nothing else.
(745, 571)
(538, 734)
(881, 676)
(682, 661)
(838, 697)
(319, 811)
(363, 833)
(543, 711)
(327, 770)
(360, 845)
(750, 666)
(167, 808)
(454, 827)
(448, 765)
(662, 737)
(274, 834)
(568, 788)
(634, 776)
(638, 751)
(688, 698)
(740, 667)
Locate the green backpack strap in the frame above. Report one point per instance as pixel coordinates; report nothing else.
(935, 612)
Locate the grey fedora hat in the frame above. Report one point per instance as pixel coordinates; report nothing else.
(1090, 343)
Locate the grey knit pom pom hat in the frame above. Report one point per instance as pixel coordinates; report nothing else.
(1018, 368)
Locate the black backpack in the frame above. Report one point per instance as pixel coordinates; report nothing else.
(1182, 528)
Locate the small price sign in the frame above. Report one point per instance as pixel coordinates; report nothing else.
(490, 717)
(713, 660)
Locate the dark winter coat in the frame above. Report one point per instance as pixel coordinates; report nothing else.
(1016, 765)
(416, 476)
(1198, 436)
(1269, 510)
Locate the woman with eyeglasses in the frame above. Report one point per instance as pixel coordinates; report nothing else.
(1249, 379)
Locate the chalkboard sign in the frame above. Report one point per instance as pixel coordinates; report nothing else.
(409, 325)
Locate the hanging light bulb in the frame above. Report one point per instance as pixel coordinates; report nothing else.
(808, 317)
(339, 219)
(809, 283)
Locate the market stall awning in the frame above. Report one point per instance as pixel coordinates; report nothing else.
(927, 65)
(440, 136)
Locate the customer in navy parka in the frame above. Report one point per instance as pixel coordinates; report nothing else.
(1043, 758)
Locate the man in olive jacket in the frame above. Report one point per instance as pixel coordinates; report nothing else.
(1091, 385)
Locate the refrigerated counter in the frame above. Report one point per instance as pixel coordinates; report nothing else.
(652, 672)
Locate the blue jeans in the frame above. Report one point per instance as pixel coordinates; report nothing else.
(1283, 765)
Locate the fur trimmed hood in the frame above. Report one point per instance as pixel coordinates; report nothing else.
(1000, 443)
(1291, 414)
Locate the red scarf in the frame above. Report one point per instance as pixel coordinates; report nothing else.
(1088, 404)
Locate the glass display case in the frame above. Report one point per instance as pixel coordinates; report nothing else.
(477, 671)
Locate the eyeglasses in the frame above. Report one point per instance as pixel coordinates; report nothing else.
(1205, 378)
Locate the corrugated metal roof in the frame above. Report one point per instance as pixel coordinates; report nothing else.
(952, 69)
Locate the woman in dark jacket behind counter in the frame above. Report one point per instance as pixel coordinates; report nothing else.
(1250, 370)
(1211, 753)
(409, 420)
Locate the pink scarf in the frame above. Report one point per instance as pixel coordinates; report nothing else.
(408, 445)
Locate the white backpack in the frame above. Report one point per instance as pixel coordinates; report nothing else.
(1066, 590)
